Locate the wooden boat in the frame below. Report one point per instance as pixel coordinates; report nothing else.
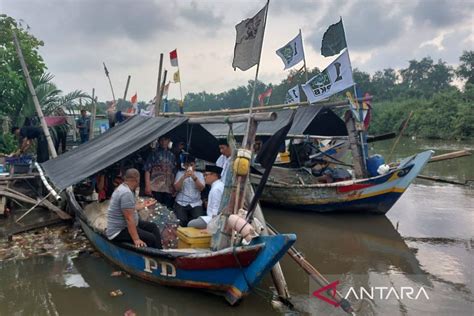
(297, 189)
(231, 272)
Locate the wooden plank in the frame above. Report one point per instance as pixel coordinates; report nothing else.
(23, 229)
(266, 108)
(451, 155)
(270, 116)
(21, 197)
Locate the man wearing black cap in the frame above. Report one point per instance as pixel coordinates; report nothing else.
(224, 160)
(213, 178)
(188, 183)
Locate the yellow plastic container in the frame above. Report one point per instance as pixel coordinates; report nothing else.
(285, 157)
(190, 237)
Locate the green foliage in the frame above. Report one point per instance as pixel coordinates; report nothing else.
(14, 91)
(466, 67)
(447, 115)
(8, 143)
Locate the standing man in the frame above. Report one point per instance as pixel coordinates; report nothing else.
(26, 135)
(123, 223)
(160, 168)
(224, 160)
(212, 177)
(189, 183)
(83, 124)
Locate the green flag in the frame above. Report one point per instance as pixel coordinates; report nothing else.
(334, 40)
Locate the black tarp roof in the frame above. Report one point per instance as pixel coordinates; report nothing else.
(310, 120)
(123, 140)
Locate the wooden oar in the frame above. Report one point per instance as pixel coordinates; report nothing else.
(451, 155)
(314, 274)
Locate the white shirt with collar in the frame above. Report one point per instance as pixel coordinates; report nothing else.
(189, 193)
(224, 163)
(214, 200)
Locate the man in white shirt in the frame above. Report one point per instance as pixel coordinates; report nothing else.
(188, 183)
(212, 176)
(224, 160)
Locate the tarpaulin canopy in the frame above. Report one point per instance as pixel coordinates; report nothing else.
(122, 141)
(310, 120)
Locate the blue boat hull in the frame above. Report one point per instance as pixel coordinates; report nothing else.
(231, 272)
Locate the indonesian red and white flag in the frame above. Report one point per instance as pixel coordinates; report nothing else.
(264, 95)
(134, 99)
(174, 58)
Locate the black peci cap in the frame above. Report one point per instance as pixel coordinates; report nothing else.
(214, 169)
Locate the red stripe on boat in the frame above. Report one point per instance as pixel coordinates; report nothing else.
(221, 261)
(353, 187)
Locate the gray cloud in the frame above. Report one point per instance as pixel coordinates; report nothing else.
(93, 21)
(201, 17)
(442, 13)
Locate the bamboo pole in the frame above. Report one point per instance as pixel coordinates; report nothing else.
(277, 273)
(399, 136)
(52, 149)
(268, 108)
(270, 116)
(46, 203)
(110, 83)
(252, 98)
(304, 59)
(93, 113)
(157, 103)
(126, 88)
(441, 180)
(314, 274)
(33, 207)
(451, 155)
(162, 89)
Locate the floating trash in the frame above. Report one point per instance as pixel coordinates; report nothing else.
(54, 241)
(116, 293)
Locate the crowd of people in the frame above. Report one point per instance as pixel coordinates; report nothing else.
(170, 177)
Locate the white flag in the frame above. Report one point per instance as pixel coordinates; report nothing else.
(248, 42)
(292, 53)
(293, 95)
(335, 78)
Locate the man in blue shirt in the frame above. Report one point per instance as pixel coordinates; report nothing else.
(83, 124)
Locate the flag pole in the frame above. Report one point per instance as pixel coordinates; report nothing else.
(126, 88)
(304, 59)
(252, 98)
(181, 105)
(110, 83)
(160, 69)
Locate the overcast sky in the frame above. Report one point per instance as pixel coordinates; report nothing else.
(129, 35)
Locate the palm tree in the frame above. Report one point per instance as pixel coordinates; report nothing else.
(50, 99)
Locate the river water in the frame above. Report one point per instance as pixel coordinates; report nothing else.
(424, 244)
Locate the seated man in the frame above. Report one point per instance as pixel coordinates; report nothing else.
(189, 184)
(123, 223)
(213, 178)
(327, 174)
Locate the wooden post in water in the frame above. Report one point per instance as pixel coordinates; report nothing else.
(52, 149)
(93, 113)
(360, 170)
(157, 101)
(277, 273)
